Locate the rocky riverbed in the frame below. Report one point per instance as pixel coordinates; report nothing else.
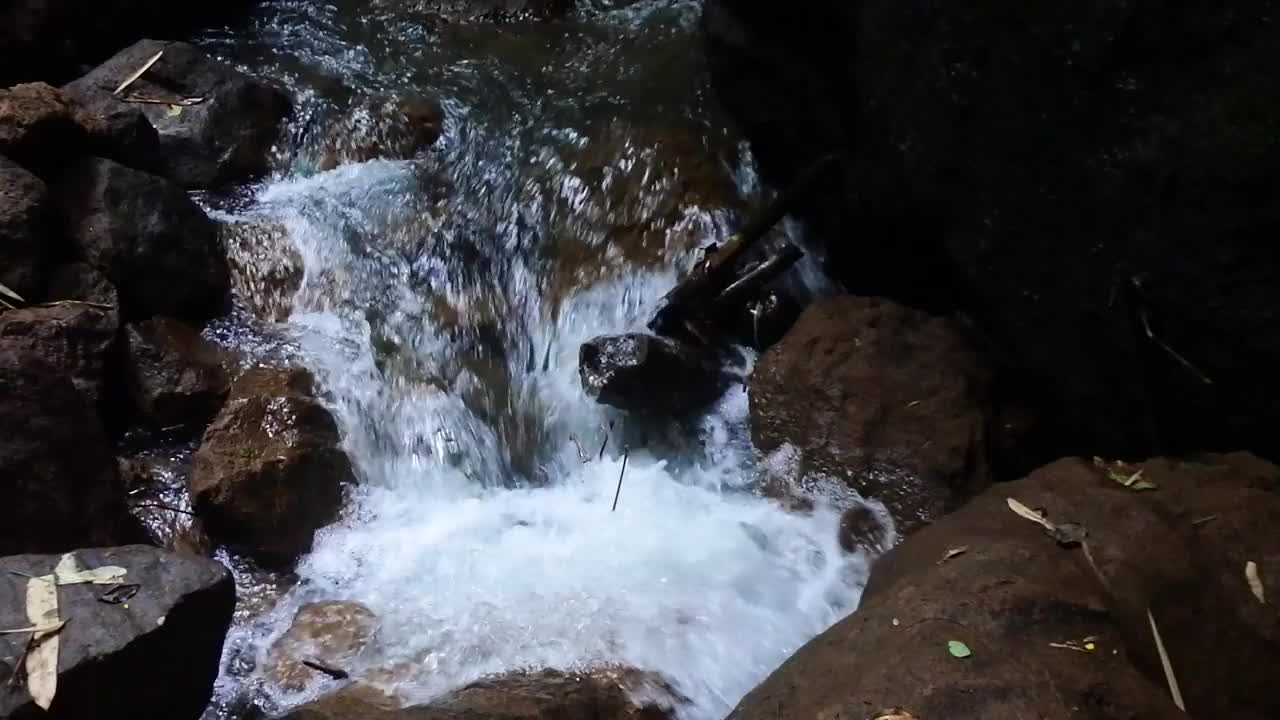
(336, 380)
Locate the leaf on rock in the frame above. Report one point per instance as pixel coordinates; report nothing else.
(70, 572)
(894, 714)
(958, 649)
(954, 552)
(1029, 514)
(1069, 535)
(42, 656)
(121, 593)
(1255, 581)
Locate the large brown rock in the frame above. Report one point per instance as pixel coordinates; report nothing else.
(270, 470)
(27, 237)
(1028, 166)
(607, 693)
(40, 128)
(225, 132)
(57, 473)
(176, 377)
(891, 400)
(145, 235)
(330, 633)
(996, 581)
(78, 339)
(155, 655)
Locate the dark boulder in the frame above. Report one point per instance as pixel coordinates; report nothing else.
(1028, 163)
(155, 655)
(266, 268)
(381, 128)
(83, 282)
(144, 233)
(270, 470)
(57, 473)
(40, 128)
(216, 124)
(604, 693)
(330, 633)
(891, 400)
(649, 374)
(118, 131)
(28, 240)
(175, 376)
(1054, 631)
(78, 339)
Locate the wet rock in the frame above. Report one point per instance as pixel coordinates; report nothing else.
(270, 470)
(382, 128)
(649, 374)
(226, 135)
(608, 693)
(83, 282)
(57, 473)
(154, 656)
(1012, 187)
(27, 237)
(892, 400)
(860, 529)
(176, 377)
(1016, 598)
(330, 633)
(143, 232)
(118, 131)
(40, 128)
(492, 9)
(78, 339)
(266, 268)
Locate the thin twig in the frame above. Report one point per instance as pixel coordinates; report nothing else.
(625, 454)
(138, 73)
(1151, 335)
(159, 506)
(1168, 666)
(332, 672)
(19, 667)
(1203, 520)
(605, 443)
(583, 457)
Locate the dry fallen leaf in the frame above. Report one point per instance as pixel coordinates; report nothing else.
(894, 714)
(1167, 664)
(1029, 514)
(954, 552)
(70, 572)
(1255, 581)
(42, 659)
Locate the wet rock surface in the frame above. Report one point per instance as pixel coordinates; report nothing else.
(143, 233)
(270, 470)
(27, 239)
(83, 282)
(1052, 632)
(597, 694)
(1029, 167)
(155, 655)
(215, 124)
(176, 377)
(893, 401)
(79, 340)
(266, 268)
(118, 131)
(390, 128)
(57, 473)
(330, 633)
(649, 374)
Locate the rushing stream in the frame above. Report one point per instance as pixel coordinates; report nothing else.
(444, 300)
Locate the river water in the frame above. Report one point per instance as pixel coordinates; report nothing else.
(582, 163)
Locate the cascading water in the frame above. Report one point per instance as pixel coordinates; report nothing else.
(443, 305)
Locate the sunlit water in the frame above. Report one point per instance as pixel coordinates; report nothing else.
(443, 305)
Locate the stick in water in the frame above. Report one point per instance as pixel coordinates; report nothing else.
(625, 454)
(605, 443)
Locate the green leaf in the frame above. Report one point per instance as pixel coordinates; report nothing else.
(958, 649)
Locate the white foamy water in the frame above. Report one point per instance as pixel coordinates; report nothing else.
(476, 563)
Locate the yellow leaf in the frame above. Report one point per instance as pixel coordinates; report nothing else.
(1255, 581)
(1029, 514)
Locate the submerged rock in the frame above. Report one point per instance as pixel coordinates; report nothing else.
(148, 237)
(27, 238)
(891, 400)
(58, 475)
(78, 339)
(649, 374)
(216, 124)
(382, 128)
(1053, 632)
(330, 633)
(266, 268)
(270, 470)
(605, 693)
(155, 655)
(176, 378)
